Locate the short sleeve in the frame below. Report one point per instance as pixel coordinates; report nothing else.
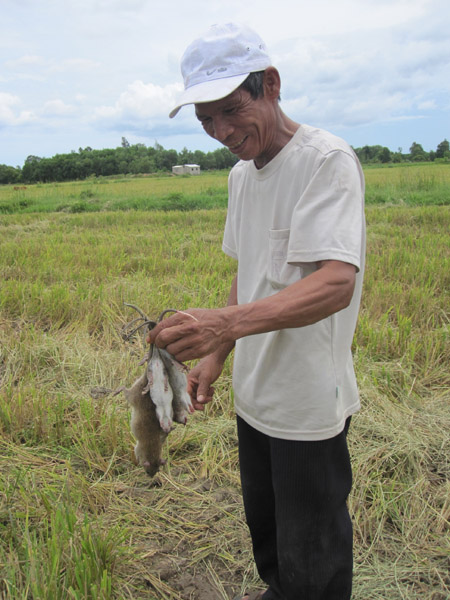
(327, 221)
(229, 245)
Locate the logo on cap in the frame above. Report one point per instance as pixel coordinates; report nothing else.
(219, 70)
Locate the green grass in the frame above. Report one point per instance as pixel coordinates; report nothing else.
(163, 192)
(403, 184)
(408, 184)
(78, 519)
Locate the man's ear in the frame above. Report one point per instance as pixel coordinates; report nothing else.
(272, 83)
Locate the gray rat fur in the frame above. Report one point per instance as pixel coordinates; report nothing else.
(145, 426)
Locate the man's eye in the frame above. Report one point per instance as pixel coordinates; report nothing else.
(230, 111)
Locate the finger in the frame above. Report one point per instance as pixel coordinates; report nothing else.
(178, 335)
(175, 346)
(198, 406)
(190, 354)
(153, 334)
(204, 390)
(172, 321)
(163, 338)
(192, 385)
(192, 388)
(185, 348)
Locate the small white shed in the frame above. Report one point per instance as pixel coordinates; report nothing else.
(190, 169)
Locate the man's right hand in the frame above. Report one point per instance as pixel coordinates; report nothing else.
(200, 380)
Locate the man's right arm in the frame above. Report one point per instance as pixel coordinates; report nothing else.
(208, 370)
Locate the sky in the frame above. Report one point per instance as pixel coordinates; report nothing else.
(78, 73)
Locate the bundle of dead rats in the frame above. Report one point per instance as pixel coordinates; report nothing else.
(157, 399)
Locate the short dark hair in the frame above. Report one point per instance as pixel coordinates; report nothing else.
(254, 85)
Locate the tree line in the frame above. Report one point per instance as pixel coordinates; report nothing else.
(381, 154)
(140, 159)
(126, 159)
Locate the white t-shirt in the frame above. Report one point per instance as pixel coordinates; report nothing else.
(305, 205)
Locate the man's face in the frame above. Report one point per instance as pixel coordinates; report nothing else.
(247, 127)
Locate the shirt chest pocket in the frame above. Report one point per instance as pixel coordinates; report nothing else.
(279, 273)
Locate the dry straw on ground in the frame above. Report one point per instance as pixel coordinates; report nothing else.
(78, 519)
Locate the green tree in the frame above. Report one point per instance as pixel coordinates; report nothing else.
(417, 153)
(369, 153)
(443, 149)
(143, 164)
(166, 159)
(185, 157)
(30, 171)
(223, 158)
(385, 155)
(366, 154)
(9, 174)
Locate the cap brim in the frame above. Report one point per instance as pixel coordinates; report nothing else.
(209, 91)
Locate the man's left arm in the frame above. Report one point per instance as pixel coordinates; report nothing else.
(200, 332)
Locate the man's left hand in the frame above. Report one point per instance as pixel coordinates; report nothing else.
(191, 334)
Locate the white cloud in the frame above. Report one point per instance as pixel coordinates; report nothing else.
(369, 77)
(9, 115)
(76, 64)
(38, 68)
(24, 61)
(427, 105)
(57, 108)
(92, 68)
(119, 5)
(141, 102)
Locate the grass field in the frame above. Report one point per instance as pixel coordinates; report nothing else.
(404, 184)
(78, 519)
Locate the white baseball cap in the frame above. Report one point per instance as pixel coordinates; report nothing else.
(216, 63)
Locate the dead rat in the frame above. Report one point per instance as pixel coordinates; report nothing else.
(167, 384)
(181, 402)
(159, 388)
(156, 398)
(145, 426)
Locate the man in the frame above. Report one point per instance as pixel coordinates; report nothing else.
(295, 224)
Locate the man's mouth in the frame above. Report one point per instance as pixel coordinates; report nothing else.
(237, 145)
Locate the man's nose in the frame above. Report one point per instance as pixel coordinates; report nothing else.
(222, 128)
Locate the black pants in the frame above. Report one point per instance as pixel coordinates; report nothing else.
(295, 502)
